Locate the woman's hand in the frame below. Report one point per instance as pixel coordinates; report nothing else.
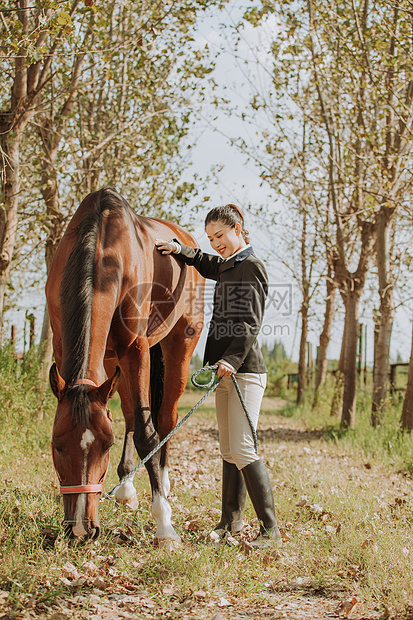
(223, 371)
(166, 247)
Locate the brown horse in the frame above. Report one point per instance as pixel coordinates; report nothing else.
(115, 302)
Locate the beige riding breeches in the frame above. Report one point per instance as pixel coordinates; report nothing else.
(236, 441)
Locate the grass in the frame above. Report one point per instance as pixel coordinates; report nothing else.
(386, 444)
(343, 500)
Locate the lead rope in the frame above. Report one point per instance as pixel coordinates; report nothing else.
(240, 396)
(212, 385)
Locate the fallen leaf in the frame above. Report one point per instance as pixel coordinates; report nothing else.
(89, 568)
(367, 543)
(70, 571)
(100, 583)
(245, 546)
(31, 602)
(400, 501)
(65, 581)
(200, 594)
(231, 541)
(80, 581)
(122, 535)
(223, 602)
(192, 526)
(346, 607)
(270, 558)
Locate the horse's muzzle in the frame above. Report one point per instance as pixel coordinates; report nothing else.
(82, 533)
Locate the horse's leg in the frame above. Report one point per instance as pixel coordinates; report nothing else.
(177, 349)
(135, 365)
(127, 492)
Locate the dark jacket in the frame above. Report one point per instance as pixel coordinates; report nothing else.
(239, 301)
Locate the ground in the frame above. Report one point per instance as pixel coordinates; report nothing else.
(316, 575)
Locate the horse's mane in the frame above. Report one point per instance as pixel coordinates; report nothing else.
(76, 299)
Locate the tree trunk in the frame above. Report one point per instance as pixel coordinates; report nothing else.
(46, 345)
(325, 337)
(351, 330)
(46, 340)
(8, 217)
(407, 413)
(337, 400)
(50, 192)
(384, 323)
(301, 383)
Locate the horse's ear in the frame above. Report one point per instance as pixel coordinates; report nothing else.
(107, 389)
(57, 382)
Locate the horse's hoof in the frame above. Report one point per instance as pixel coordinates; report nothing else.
(167, 533)
(131, 502)
(171, 544)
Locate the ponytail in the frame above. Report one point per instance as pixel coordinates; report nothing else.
(230, 215)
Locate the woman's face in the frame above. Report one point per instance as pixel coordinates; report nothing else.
(224, 239)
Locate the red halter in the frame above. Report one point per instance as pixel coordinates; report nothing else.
(81, 488)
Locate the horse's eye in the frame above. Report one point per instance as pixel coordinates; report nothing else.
(108, 444)
(58, 450)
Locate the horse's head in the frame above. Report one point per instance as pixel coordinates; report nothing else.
(82, 438)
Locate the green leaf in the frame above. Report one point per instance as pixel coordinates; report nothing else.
(63, 18)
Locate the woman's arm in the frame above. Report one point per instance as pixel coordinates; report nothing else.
(206, 264)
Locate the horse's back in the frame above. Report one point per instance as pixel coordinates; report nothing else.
(130, 275)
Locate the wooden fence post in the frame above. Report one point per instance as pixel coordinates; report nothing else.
(32, 322)
(13, 335)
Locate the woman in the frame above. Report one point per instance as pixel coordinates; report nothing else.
(239, 300)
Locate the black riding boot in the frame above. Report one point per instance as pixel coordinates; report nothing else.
(234, 495)
(260, 491)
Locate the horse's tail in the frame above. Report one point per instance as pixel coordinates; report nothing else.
(157, 381)
(76, 292)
